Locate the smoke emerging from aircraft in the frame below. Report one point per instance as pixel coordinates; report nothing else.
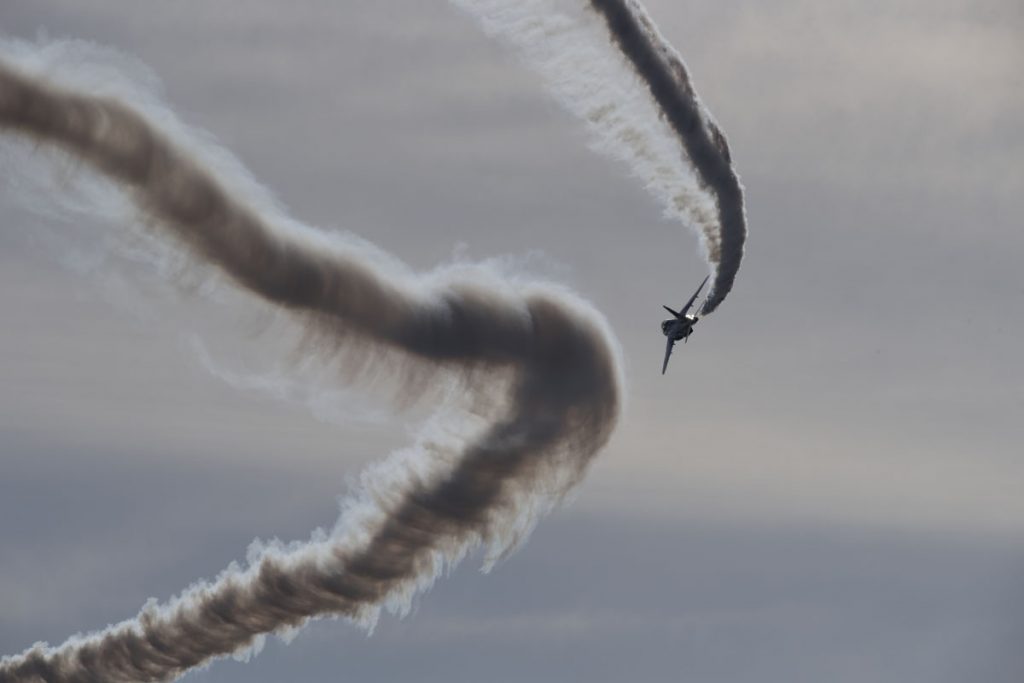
(539, 369)
(591, 55)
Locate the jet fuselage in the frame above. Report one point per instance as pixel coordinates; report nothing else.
(677, 329)
(679, 326)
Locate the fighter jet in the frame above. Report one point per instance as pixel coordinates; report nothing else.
(680, 326)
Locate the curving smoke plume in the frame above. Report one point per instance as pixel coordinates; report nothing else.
(548, 350)
(661, 129)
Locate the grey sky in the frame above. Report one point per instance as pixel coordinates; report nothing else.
(826, 484)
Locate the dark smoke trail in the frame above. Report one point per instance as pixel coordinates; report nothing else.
(561, 410)
(705, 144)
(635, 97)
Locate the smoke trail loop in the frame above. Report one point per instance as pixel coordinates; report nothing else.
(423, 510)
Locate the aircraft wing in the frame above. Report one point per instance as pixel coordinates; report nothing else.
(693, 298)
(669, 343)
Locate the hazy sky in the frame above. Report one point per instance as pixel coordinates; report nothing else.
(825, 486)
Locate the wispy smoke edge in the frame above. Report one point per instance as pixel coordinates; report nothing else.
(637, 100)
(481, 482)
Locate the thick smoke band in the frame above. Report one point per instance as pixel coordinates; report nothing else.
(562, 407)
(605, 62)
(665, 75)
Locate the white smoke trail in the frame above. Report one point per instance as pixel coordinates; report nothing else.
(568, 46)
(538, 368)
(606, 62)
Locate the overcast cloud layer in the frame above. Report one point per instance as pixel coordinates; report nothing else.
(823, 487)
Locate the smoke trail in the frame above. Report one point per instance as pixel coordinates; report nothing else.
(418, 512)
(663, 70)
(666, 135)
